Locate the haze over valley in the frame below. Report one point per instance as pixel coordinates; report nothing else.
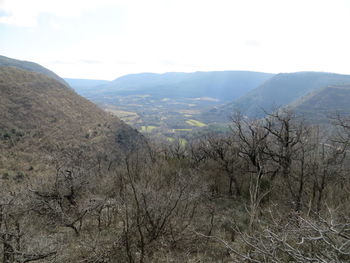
(170, 104)
(178, 105)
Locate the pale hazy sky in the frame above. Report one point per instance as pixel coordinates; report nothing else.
(105, 39)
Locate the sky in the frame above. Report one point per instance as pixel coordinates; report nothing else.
(105, 39)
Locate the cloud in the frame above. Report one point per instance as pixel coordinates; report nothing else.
(92, 37)
(252, 43)
(76, 62)
(61, 62)
(25, 13)
(90, 61)
(123, 62)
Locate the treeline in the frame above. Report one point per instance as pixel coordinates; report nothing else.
(270, 190)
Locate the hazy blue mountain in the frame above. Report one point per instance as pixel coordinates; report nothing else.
(84, 85)
(223, 85)
(281, 90)
(29, 66)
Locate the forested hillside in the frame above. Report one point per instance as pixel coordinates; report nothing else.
(280, 90)
(39, 114)
(272, 190)
(323, 104)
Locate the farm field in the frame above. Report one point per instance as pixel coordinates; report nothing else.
(162, 117)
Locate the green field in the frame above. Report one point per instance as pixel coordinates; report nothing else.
(180, 130)
(182, 141)
(195, 123)
(148, 128)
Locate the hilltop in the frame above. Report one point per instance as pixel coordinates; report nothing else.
(29, 66)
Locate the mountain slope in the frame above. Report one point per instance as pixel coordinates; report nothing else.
(29, 66)
(223, 85)
(40, 117)
(281, 90)
(321, 104)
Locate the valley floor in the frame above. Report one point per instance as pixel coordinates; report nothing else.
(167, 118)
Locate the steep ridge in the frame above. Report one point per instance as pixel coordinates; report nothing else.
(281, 90)
(29, 66)
(40, 117)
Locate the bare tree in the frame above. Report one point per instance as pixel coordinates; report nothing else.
(221, 154)
(16, 233)
(251, 138)
(158, 206)
(287, 148)
(316, 239)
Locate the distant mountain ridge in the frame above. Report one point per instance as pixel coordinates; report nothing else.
(224, 85)
(30, 66)
(281, 90)
(81, 85)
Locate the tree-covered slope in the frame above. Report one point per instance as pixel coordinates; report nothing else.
(322, 104)
(40, 117)
(281, 90)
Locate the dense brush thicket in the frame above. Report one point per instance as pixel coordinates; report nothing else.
(270, 190)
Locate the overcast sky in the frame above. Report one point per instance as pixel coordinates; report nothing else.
(104, 39)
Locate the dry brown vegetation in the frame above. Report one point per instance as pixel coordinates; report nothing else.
(84, 187)
(272, 190)
(39, 116)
